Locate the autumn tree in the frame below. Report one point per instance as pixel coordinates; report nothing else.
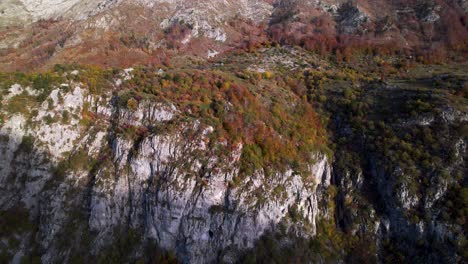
(314, 81)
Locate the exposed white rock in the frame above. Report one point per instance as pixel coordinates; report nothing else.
(118, 82)
(97, 143)
(205, 212)
(74, 100)
(148, 113)
(14, 90)
(407, 199)
(212, 53)
(33, 10)
(54, 96)
(321, 172)
(58, 138)
(11, 133)
(126, 74)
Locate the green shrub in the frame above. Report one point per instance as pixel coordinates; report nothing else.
(65, 117)
(21, 104)
(27, 145)
(251, 159)
(132, 104)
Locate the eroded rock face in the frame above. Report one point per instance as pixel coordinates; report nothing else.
(32, 10)
(23, 11)
(171, 186)
(195, 209)
(379, 198)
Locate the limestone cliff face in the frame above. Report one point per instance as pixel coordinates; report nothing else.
(170, 187)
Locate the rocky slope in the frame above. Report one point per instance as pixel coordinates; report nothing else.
(399, 169)
(39, 34)
(85, 187)
(406, 179)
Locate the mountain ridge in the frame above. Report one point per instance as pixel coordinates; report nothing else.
(152, 31)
